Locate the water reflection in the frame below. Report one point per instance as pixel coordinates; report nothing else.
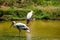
(41, 28)
(28, 36)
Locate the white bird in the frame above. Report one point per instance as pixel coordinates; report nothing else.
(20, 26)
(29, 16)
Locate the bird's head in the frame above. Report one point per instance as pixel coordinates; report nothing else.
(27, 30)
(32, 11)
(13, 22)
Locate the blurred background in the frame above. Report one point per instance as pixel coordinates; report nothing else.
(45, 23)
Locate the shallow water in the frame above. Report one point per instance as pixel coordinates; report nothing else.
(40, 29)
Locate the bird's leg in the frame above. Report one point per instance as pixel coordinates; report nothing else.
(28, 21)
(19, 32)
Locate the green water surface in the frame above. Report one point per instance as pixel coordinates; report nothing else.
(40, 30)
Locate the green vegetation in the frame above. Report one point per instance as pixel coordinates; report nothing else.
(47, 2)
(21, 14)
(25, 3)
(18, 9)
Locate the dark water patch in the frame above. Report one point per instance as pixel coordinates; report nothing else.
(13, 38)
(24, 38)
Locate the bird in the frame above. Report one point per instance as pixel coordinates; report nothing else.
(29, 16)
(20, 26)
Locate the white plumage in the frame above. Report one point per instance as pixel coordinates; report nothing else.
(21, 26)
(29, 15)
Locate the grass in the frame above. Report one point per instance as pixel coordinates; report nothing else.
(40, 12)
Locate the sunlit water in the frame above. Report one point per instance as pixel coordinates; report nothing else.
(40, 30)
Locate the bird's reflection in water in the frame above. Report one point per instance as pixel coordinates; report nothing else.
(28, 36)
